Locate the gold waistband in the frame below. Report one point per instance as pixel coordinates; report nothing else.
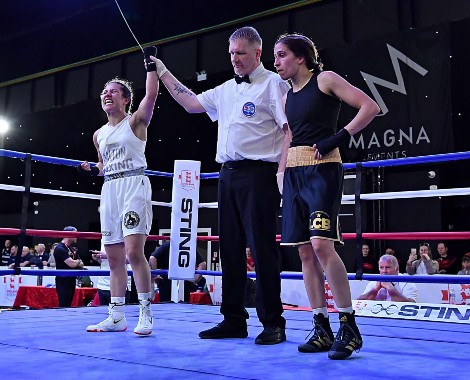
(303, 156)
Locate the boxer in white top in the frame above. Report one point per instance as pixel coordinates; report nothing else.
(126, 210)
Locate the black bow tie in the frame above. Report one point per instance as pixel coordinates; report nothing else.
(240, 79)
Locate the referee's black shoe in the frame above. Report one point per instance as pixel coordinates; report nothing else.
(224, 330)
(271, 335)
(348, 338)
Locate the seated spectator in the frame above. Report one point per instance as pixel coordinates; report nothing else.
(390, 291)
(250, 290)
(12, 258)
(160, 259)
(369, 264)
(425, 264)
(42, 254)
(401, 263)
(465, 266)
(6, 251)
(250, 262)
(447, 262)
(40, 257)
(26, 256)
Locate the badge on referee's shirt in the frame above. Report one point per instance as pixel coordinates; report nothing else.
(249, 109)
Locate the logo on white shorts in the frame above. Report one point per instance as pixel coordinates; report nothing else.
(131, 219)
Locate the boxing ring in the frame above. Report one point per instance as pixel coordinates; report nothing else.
(429, 341)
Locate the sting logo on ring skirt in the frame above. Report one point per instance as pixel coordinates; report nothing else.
(389, 310)
(131, 219)
(249, 109)
(320, 221)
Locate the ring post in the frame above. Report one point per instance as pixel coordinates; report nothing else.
(358, 217)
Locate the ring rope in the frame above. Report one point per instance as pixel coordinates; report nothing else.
(346, 199)
(445, 157)
(460, 235)
(74, 163)
(424, 279)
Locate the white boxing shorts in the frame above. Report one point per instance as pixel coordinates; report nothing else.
(125, 208)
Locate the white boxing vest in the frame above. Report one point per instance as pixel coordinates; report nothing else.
(120, 148)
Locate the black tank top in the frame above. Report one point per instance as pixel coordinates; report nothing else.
(312, 115)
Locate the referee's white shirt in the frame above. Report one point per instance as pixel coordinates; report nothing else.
(250, 116)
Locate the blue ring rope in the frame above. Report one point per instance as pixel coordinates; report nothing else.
(445, 157)
(424, 279)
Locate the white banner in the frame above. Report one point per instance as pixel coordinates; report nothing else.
(293, 292)
(416, 311)
(184, 218)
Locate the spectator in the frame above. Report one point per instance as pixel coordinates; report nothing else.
(40, 257)
(390, 291)
(103, 286)
(425, 264)
(160, 259)
(465, 266)
(12, 258)
(42, 254)
(6, 251)
(250, 262)
(369, 264)
(368, 260)
(401, 263)
(250, 292)
(51, 260)
(447, 263)
(26, 257)
(66, 258)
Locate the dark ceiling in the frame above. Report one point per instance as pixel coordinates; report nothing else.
(86, 29)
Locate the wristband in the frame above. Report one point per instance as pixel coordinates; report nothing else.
(94, 171)
(328, 144)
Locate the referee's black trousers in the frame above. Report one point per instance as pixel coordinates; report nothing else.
(249, 201)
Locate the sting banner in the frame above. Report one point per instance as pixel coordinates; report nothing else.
(184, 218)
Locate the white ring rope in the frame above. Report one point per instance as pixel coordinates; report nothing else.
(411, 194)
(346, 199)
(38, 190)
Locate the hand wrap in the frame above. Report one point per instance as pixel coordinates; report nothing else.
(328, 144)
(94, 171)
(149, 64)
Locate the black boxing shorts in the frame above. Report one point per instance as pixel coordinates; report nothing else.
(311, 197)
